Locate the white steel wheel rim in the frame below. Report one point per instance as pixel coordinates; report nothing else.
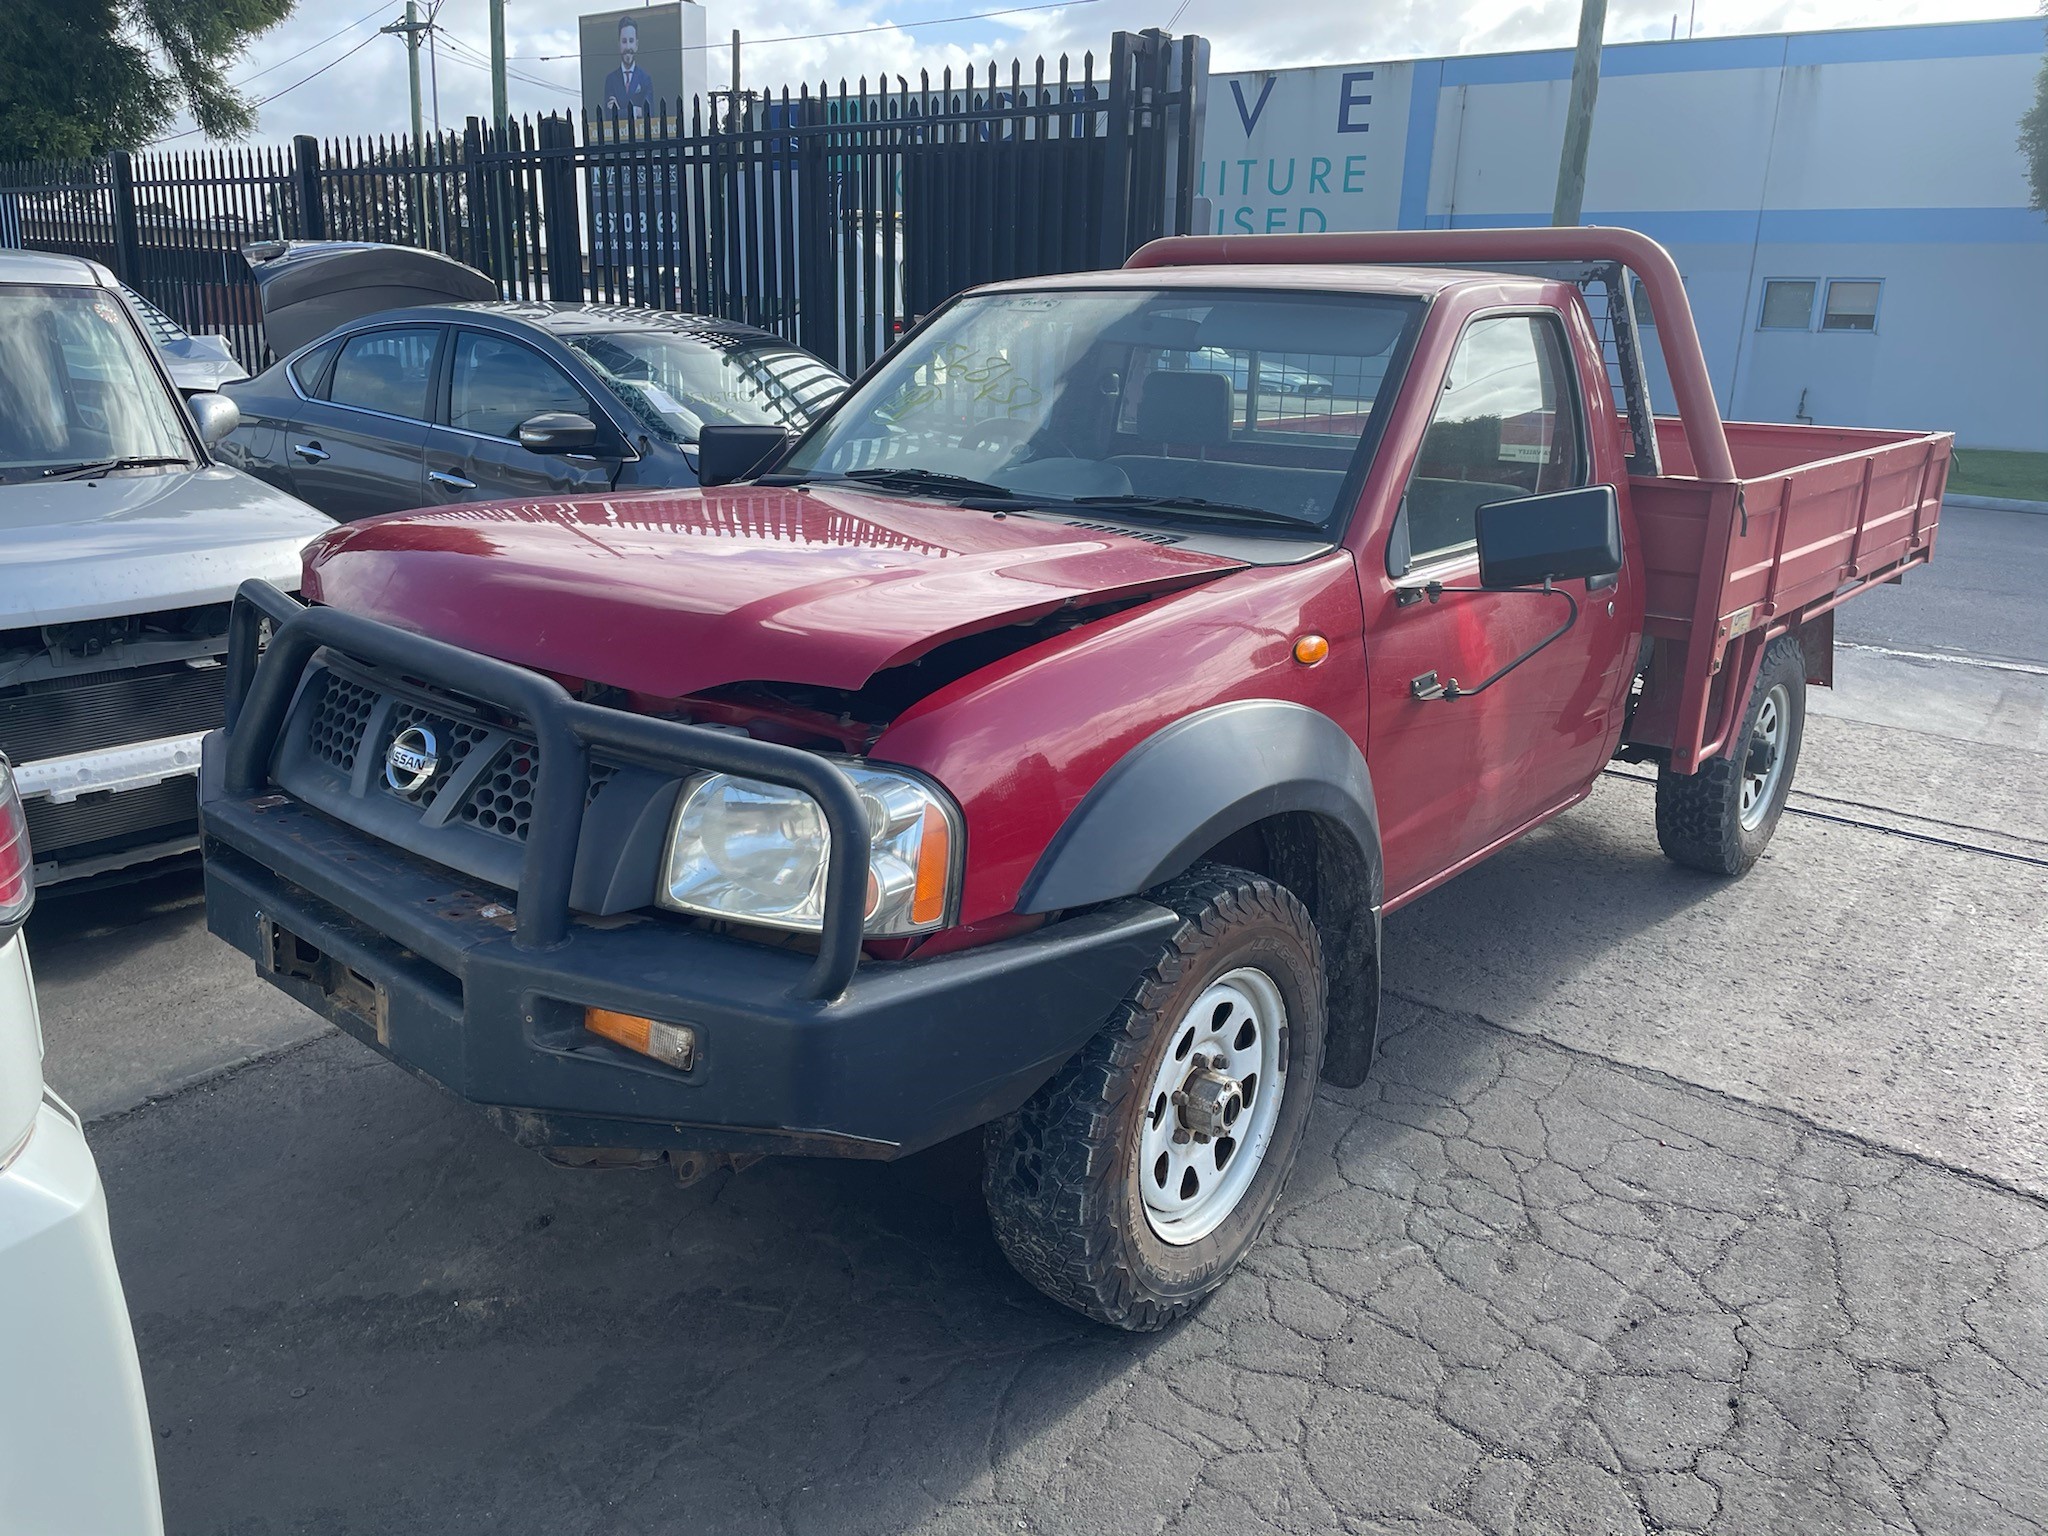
(1772, 718)
(1189, 1186)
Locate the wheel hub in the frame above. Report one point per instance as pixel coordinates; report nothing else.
(1763, 762)
(1208, 1101)
(1214, 1099)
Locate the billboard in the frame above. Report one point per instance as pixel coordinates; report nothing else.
(638, 61)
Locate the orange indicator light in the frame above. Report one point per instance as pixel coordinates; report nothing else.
(934, 864)
(1310, 649)
(673, 1044)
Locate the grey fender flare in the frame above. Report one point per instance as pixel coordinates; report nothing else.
(1192, 784)
(1188, 786)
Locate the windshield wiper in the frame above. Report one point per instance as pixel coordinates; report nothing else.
(108, 466)
(910, 478)
(1196, 504)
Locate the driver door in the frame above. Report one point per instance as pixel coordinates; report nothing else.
(496, 382)
(1455, 776)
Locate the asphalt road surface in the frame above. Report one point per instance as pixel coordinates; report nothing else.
(1673, 1205)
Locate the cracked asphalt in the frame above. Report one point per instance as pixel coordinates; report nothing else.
(1671, 1205)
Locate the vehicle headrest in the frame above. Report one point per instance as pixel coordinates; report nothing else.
(1185, 408)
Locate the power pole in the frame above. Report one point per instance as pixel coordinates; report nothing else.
(434, 70)
(1578, 123)
(499, 112)
(410, 29)
(735, 70)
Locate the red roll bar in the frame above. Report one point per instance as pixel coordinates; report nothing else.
(1698, 413)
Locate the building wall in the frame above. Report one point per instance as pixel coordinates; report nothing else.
(1885, 154)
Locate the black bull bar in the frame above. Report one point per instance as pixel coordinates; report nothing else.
(263, 680)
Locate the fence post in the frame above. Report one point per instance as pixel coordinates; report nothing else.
(1185, 213)
(1113, 213)
(306, 187)
(561, 223)
(482, 244)
(127, 233)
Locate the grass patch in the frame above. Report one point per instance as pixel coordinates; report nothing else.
(1999, 472)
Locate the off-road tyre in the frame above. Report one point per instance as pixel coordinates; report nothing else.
(1699, 815)
(1060, 1174)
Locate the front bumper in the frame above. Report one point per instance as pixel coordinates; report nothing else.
(427, 971)
(94, 812)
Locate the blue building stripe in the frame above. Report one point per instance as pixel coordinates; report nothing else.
(1863, 45)
(1512, 68)
(1686, 55)
(1795, 226)
(1425, 84)
(1899, 45)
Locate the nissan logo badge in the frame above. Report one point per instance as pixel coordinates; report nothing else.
(410, 763)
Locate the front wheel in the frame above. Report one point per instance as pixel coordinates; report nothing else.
(1721, 818)
(1132, 1183)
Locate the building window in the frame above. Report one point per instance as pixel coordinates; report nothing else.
(1788, 304)
(1851, 306)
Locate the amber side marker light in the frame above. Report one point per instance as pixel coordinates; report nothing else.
(673, 1045)
(1310, 649)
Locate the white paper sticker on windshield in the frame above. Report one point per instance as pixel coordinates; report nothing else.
(668, 404)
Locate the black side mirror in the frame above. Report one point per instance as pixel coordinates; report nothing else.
(1563, 536)
(558, 432)
(729, 453)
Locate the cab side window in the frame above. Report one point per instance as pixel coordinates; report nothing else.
(387, 371)
(494, 384)
(1507, 425)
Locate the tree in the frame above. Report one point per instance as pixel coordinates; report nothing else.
(80, 77)
(2034, 139)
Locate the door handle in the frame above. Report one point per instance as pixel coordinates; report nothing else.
(452, 482)
(312, 453)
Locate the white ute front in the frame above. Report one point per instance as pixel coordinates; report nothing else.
(76, 1454)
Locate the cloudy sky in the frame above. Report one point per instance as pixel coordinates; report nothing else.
(360, 84)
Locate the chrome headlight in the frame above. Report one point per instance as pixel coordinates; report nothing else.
(755, 852)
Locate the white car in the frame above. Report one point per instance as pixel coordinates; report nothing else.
(122, 541)
(76, 1453)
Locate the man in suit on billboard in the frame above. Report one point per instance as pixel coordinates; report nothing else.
(628, 91)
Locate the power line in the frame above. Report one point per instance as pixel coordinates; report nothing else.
(275, 95)
(310, 47)
(805, 37)
(468, 53)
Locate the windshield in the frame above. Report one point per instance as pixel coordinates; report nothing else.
(1180, 402)
(76, 386)
(676, 383)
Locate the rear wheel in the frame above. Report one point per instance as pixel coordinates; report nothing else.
(1721, 818)
(1132, 1183)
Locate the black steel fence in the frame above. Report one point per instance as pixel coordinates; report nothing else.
(829, 216)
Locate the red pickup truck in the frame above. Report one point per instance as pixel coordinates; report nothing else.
(1037, 742)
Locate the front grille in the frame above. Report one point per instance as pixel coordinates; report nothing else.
(503, 798)
(453, 741)
(102, 823)
(339, 720)
(344, 717)
(61, 717)
(502, 801)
